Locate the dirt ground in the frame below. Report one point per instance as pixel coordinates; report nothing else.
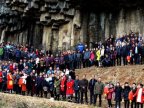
(131, 73)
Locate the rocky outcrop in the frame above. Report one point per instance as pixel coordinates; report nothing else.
(61, 24)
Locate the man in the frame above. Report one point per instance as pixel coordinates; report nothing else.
(126, 91)
(86, 58)
(118, 95)
(83, 89)
(98, 91)
(91, 88)
(78, 60)
(77, 89)
(136, 54)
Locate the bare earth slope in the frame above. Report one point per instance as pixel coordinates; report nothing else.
(133, 73)
(18, 101)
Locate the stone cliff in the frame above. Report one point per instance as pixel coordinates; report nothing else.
(61, 24)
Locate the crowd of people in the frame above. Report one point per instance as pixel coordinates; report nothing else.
(28, 71)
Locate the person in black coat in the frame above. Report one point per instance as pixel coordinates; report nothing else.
(126, 91)
(39, 89)
(77, 89)
(91, 88)
(118, 95)
(83, 88)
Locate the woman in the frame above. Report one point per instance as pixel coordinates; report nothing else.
(118, 95)
(57, 88)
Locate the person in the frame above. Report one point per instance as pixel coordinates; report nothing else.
(84, 88)
(45, 86)
(126, 91)
(118, 95)
(70, 90)
(63, 86)
(91, 88)
(38, 84)
(86, 58)
(57, 88)
(139, 96)
(77, 89)
(132, 98)
(9, 82)
(78, 60)
(109, 95)
(98, 91)
(22, 83)
(1, 79)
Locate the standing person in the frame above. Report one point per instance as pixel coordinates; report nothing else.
(4, 80)
(132, 98)
(1, 79)
(118, 95)
(98, 91)
(78, 60)
(1, 52)
(39, 89)
(139, 96)
(126, 91)
(86, 58)
(77, 89)
(136, 54)
(57, 88)
(9, 82)
(109, 95)
(70, 90)
(83, 89)
(22, 83)
(91, 88)
(63, 86)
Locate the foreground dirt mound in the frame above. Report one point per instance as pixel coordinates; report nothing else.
(18, 101)
(133, 73)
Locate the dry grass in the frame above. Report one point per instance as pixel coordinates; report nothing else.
(18, 101)
(133, 73)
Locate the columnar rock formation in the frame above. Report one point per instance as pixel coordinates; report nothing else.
(61, 24)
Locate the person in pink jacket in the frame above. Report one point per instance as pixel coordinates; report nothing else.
(109, 95)
(92, 57)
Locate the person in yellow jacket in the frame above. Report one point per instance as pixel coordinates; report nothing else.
(9, 82)
(98, 56)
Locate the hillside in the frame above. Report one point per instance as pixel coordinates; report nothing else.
(18, 101)
(133, 73)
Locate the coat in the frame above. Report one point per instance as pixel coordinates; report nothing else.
(126, 91)
(92, 84)
(9, 81)
(98, 88)
(109, 93)
(118, 93)
(57, 86)
(63, 84)
(84, 85)
(139, 95)
(70, 89)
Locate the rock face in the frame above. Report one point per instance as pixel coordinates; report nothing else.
(61, 24)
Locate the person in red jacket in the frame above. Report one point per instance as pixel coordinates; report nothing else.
(109, 95)
(139, 96)
(0, 79)
(70, 88)
(63, 86)
(9, 82)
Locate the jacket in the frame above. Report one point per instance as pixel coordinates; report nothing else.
(92, 84)
(84, 85)
(118, 93)
(76, 85)
(98, 88)
(126, 91)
